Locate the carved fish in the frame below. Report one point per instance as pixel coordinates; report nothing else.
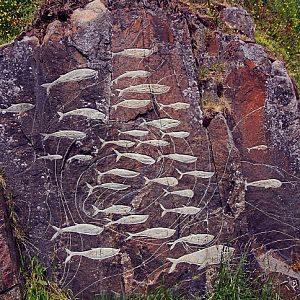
(144, 159)
(94, 253)
(168, 181)
(114, 209)
(162, 124)
(17, 108)
(136, 52)
(51, 157)
(208, 256)
(120, 143)
(200, 174)
(118, 172)
(89, 113)
(194, 239)
(130, 220)
(153, 233)
(265, 183)
(132, 75)
(258, 147)
(187, 159)
(109, 185)
(176, 134)
(145, 88)
(184, 210)
(175, 106)
(183, 193)
(132, 104)
(135, 132)
(68, 134)
(80, 157)
(87, 229)
(156, 143)
(75, 75)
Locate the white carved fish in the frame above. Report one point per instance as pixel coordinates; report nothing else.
(75, 75)
(51, 157)
(265, 183)
(162, 124)
(270, 264)
(89, 113)
(208, 256)
(156, 143)
(130, 220)
(94, 253)
(17, 108)
(194, 239)
(114, 209)
(68, 134)
(175, 106)
(184, 210)
(118, 172)
(87, 229)
(135, 132)
(132, 104)
(144, 159)
(132, 75)
(120, 143)
(145, 88)
(200, 174)
(168, 181)
(183, 193)
(153, 233)
(80, 157)
(109, 185)
(187, 159)
(136, 52)
(176, 134)
(258, 147)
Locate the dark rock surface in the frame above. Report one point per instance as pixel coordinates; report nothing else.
(255, 138)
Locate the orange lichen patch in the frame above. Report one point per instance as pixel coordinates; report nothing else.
(296, 266)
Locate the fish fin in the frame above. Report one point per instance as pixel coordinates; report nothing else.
(162, 134)
(174, 262)
(61, 115)
(96, 210)
(166, 193)
(119, 155)
(180, 173)
(47, 86)
(147, 180)
(57, 233)
(70, 254)
(163, 209)
(45, 135)
(129, 237)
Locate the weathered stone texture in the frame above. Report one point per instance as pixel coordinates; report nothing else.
(257, 138)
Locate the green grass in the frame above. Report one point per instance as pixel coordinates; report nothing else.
(15, 15)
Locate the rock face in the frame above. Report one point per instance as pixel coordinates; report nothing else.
(118, 149)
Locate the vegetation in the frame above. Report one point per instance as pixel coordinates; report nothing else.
(15, 15)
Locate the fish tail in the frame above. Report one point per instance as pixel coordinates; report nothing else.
(173, 244)
(61, 115)
(180, 173)
(110, 222)
(159, 158)
(57, 233)
(103, 142)
(246, 185)
(160, 106)
(139, 143)
(96, 210)
(114, 107)
(162, 133)
(45, 135)
(89, 187)
(99, 176)
(166, 193)
(119, 155)
(147, 180)
(174, 262)
(120, 92)
(129, 237)
(70, 254)
(163, 209)
(47, 86)
(119, 131)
